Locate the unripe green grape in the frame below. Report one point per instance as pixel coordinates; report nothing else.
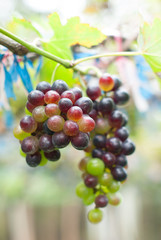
(114, 198)
(95, 167)
(28, 112)
(89, 199)
(22, 153)
(105, 179)
(83, 163)
(43, 159)
(114, 186)
(82, 191)
(39, 114)
(102, 126)
(95, 215)
(19, 133)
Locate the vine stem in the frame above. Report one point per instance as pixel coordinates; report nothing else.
(65, 62)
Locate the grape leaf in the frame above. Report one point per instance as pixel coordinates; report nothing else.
(149, 41)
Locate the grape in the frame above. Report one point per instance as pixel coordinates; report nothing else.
(89, 199)
(77, 93)
(51, 97)
(108, 159)
(99, 141)
(28, 124)
(80, 141)
(39, 114)
(95, 215)
(82, 191)
(59, 86)
(93, 92)
(116, 119)
(71, 128)
(74, 113)
(30, 107)
(93, 114)
(97, 153)
(106, 105)
(53, 156)
(95, 167)
(117, 83)
(60, 140)
(102, 126)
(68, 94)
(122, 133)
(125, 119)
(128, 147)
(114, 145)
(101, 201)
(83, 163)
(105, 179)
(36, 98)
(119, 173)
(95, 105)
(114, 198)
(65, 104)
(43, 87)
(19, 133)
(55, 123)
(86, 124)
(52, 109)
(90, 181)
(85, 104)
(34, 159)
(121, 160)
(45, 143)
(43, 159)
(46, 129)
(121, 97)
(106, 82)
(30, 145)
(114, 186)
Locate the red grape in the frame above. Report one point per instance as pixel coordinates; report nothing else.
(55, 123)
(71, 128)
(28, 124)
(51, 97)
(36, 98)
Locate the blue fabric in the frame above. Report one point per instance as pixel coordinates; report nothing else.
(8, 84)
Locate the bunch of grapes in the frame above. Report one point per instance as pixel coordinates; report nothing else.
(104, 168)
(56, 116)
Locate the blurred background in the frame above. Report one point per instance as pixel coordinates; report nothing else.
(37, 204)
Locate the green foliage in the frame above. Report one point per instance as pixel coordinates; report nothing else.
(149, 41)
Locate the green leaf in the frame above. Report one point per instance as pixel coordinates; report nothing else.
(149, 41)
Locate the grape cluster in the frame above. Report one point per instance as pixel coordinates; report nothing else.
(56, 116)
(104, 168)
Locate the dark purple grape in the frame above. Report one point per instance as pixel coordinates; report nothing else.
(90, 181)
(36, 98)
(116, 119)
(95, 105)
(97, 153)
(119, 173)
(59, 86)
(93, 92)
(43, 87)
(117, 83)
(52, 156)
(65, 104)
(93, 114)
(60, 140)
(114, 145)
(106, 105)
(45, 143)
(121, 160)
(46, 129)
(85, 104)
(108, 159)
(122, 133)
(77, 93)
(99, 141)
(80, 141)
(101, 201)
(125, 119)
(30, 145)
(34, 159)
(128, 147)
(121, 97)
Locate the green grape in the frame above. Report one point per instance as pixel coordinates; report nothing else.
(43, 159)
(22, 153)
(95, 215)
(19, 133)
(114, 198)
(82, 191)
(88, 200)
(114, 186)
(95, 167)
(28, 112)
(105, 179)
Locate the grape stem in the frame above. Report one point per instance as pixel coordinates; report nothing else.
(65, 62)
(54, 72)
